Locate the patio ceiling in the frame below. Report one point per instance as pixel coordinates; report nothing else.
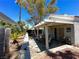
(51, 23)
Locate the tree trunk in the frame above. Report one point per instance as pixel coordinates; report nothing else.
(20, 11)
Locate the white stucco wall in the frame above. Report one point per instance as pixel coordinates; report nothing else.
(76, 33)
(69, 34)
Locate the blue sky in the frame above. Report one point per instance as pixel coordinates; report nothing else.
(11, 9)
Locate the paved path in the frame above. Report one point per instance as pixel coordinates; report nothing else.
(24, 53)
(34, 49)
(29, 48)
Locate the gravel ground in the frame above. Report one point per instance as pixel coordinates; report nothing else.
(34, 49)
(61, 52)
(13, 48)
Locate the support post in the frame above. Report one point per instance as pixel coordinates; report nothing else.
(37, 33)
(76, 33)
(46, 37)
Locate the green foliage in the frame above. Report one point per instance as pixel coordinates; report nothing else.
(16, 30)
(4, 24)
(22, 26)
(14, 36)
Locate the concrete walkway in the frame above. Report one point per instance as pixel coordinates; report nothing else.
(28, 49)
(34, 49)
(24, 52)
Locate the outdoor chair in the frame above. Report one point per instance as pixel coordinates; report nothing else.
(66, 40)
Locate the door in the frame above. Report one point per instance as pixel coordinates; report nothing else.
(55, 33)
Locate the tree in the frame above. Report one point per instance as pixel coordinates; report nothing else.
(21, 25)
(38, 9)
(18, 30)
(20, 8)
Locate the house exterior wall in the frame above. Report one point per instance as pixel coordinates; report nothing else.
(67, 33)
(51, 31)
(70, 25)
(76, 33)
(70, 33)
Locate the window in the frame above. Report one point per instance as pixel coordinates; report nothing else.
(68, 30)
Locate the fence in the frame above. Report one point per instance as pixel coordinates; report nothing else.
(4, 43)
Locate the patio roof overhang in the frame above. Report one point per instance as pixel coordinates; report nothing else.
(53, 22)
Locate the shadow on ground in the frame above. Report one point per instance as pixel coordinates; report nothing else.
(53, 44)
(61, 55)
(40, 44)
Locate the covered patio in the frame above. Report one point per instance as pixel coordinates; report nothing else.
(57, 29)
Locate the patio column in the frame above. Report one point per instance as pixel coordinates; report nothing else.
(76, 33)
(37, 33)
(46, 37)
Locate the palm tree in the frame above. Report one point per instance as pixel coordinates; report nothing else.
(20, 8)
(38, 9)
(20, 13)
